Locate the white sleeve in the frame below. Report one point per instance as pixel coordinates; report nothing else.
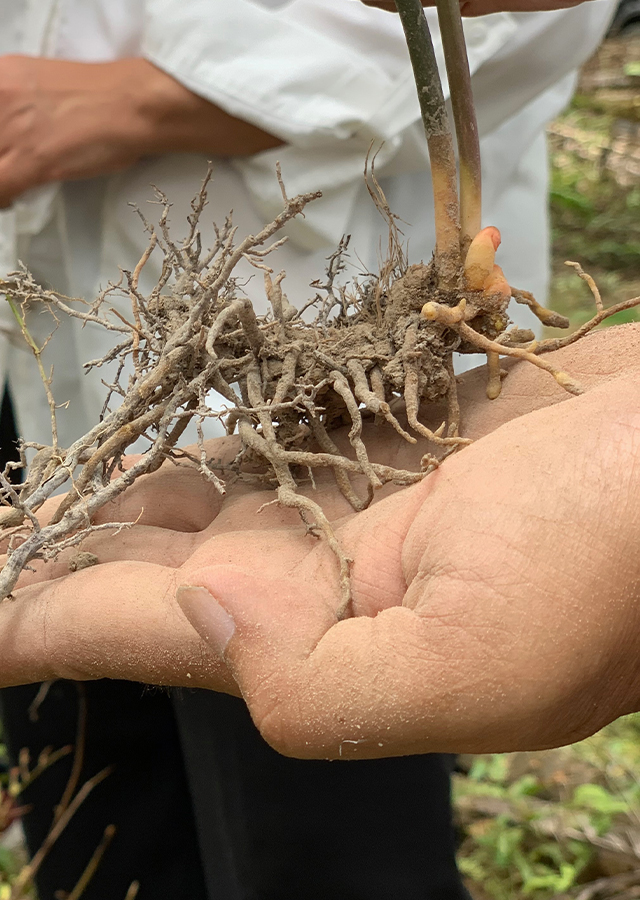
(312, 72)
(328, 77)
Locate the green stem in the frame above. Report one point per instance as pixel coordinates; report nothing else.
(23, 326)
(464, 115)
(439, 139)
(37, 352)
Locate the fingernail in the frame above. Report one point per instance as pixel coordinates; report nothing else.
(212, 622)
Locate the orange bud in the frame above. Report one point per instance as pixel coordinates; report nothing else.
(496, 283)
(478, 265)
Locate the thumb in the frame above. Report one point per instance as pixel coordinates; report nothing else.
(316, 687)
(262, 628)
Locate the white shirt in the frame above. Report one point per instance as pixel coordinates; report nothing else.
(326, 76)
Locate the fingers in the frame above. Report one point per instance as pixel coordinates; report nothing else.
(18, 173)
(175, 500)
(116, 621)
(174, 497)
(141, 543)
(120, 619)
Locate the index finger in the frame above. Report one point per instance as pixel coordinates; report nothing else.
(118, 620)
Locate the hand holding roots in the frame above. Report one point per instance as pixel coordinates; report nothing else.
(377, 348)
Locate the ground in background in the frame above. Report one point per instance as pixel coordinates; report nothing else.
(595, 183)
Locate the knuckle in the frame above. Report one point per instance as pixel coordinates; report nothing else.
(280, 727)
(276, 711)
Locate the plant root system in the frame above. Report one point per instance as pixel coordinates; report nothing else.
(377, 348)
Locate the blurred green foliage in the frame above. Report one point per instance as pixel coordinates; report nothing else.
(595, 215)
(532, 822)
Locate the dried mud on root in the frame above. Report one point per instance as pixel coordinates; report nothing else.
(289, 378)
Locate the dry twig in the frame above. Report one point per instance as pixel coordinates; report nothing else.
(376, 348)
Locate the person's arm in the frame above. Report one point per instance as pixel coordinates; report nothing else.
(63, 120)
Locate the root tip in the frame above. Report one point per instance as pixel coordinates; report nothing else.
(429, 311)
(568, 383)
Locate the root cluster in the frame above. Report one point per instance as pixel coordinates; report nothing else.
(288, 378)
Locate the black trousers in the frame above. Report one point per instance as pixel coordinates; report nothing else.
(146, 797)
(206, 810)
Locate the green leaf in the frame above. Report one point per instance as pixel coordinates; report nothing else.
(596, 798)
(507, 842)
(493, 768)
(472, 868)
(558, 882)
(526, 786)
(572, 200)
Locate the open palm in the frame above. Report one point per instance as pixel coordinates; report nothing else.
(495, 604)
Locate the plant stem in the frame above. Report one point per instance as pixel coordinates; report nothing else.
(464, 115)
(46, 380)
(439, 139)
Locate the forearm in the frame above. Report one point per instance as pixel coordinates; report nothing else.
(62, 120)
(139, 106)
(168, 117)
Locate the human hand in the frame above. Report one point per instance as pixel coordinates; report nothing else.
(497, 601)
(320, 688)
(62, 120)
(471, 8)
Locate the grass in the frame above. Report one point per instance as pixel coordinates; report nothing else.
(595, 220)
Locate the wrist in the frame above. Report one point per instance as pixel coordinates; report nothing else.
(90, 116)
(145, 104)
